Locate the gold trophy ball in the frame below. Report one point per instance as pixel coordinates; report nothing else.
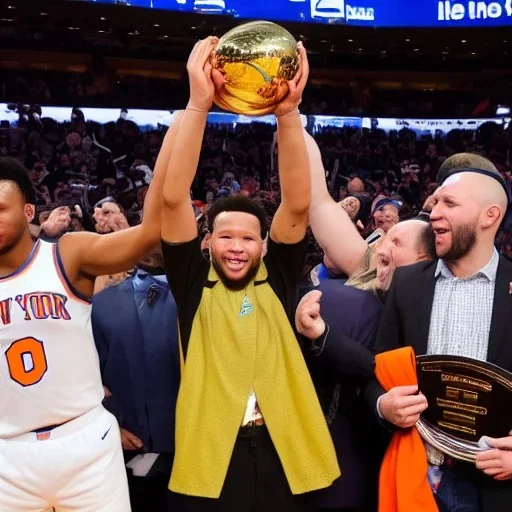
(256, 59)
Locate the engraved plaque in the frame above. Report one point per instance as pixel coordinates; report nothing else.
(467, 399)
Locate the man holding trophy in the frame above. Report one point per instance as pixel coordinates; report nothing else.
(458, 311)
(250, 433)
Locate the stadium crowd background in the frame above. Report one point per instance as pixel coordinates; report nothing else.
(83, 163)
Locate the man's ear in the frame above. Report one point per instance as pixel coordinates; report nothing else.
(30, 212)
(491, 216)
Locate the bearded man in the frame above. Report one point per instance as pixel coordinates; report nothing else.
(459, 305)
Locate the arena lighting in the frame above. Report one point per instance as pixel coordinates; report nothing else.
(153, 119)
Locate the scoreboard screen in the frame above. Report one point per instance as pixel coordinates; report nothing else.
(375, 13)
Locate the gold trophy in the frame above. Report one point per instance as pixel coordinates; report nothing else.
(256, 59)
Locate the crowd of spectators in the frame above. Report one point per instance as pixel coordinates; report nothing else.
(82, 163)
(103, 88)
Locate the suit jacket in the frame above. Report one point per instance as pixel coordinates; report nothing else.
(139, 360)
(406, 322)
(344, 362)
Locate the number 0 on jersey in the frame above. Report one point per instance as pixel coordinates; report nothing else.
(26, 360)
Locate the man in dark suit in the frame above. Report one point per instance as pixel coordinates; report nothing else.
(342, 362)
(460, 304)
(135, 329)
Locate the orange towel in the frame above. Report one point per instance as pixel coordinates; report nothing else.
(403, 484)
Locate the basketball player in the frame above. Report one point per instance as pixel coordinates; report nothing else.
(58, 446)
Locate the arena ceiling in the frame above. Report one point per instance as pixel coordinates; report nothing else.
(115, 31)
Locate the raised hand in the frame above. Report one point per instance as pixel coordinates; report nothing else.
(308, 321)
(296, 86)
(117, 222)
(199, 68)
(58, 221)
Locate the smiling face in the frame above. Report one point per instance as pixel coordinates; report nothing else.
(236, 247)
(455, 219)
(466, 216)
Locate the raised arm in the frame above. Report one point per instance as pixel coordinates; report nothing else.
(291, 219)
(178, 219)
(87, 255)
(334, 231)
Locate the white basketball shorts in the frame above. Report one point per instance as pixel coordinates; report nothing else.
(76, 467)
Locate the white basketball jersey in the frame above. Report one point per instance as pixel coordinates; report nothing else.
(49, 367)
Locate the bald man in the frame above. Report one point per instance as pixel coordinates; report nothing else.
(460, 305)
(355, 186)
(346, 251)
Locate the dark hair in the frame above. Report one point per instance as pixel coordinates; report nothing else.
(462, 160)
(365, 206)
(13, 170)
(153, 263)
(427, 238)
(237, 203)
(108, 199)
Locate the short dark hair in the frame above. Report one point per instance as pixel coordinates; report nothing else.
(237, 203)
(464, 160)
(108, 199)
(427, 237)
(13, 170)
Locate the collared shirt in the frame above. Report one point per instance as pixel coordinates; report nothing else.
(462, 311)
(459, 326)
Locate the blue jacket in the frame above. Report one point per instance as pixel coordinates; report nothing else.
(136, 334)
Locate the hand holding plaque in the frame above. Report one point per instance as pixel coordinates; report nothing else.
(497, 461)
(468, 399)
